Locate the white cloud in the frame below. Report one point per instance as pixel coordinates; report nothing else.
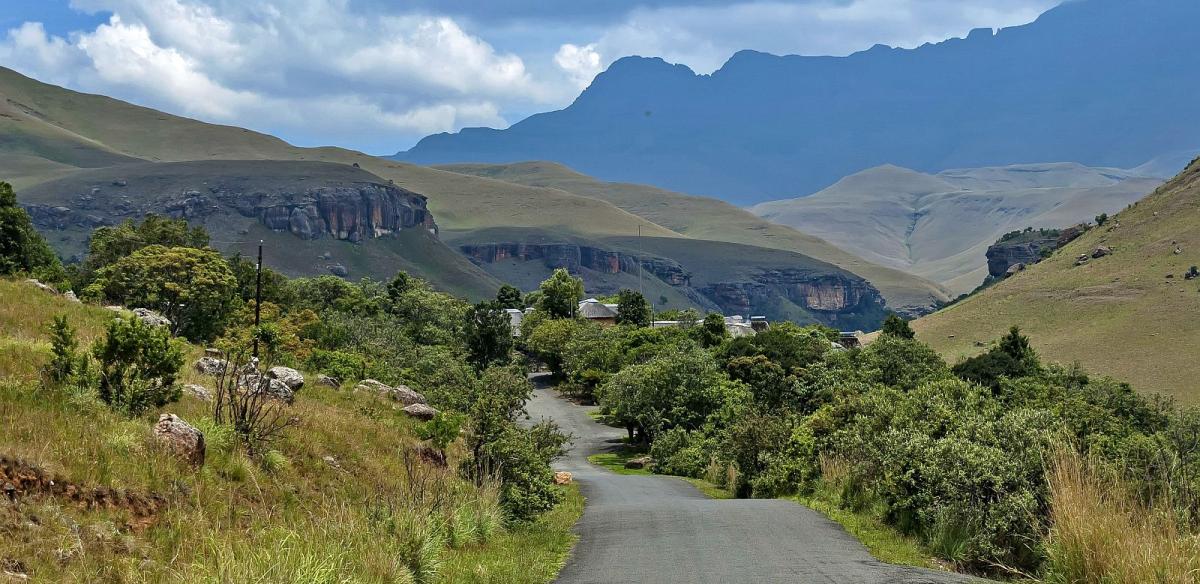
(581, 63)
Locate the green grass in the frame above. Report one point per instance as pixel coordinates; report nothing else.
(883, 541)
(369, 518)
(526, 554)
(1117, 315)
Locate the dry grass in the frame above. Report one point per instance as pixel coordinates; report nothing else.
(1102, 535)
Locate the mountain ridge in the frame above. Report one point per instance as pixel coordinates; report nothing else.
(1065, 87)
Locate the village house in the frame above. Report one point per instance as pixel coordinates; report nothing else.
(598, 312)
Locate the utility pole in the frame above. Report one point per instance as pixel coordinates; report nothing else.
(640, 288)
(257, 296)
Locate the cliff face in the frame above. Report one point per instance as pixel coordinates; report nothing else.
(782, 292)
(352, 213)
(1027, 248)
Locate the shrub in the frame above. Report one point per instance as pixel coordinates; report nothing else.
(192, 287)
(22, 248)
(899, 361)
(1012, 357)
(138, 366)
(894, 326)
(64, 347)
(632, 308)
(488, 335)
(343, 365)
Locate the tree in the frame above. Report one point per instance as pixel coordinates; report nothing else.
(22, 248)
(712, 331)
(632, 308)
(1101, 219)
(509, 297)
(894, 326)
(1011, 358)
(192, 287)
(66, 363)
(138, 366)
(488, 335)
(399, 284)
(561, 293)
(109, 244)
(274, 284)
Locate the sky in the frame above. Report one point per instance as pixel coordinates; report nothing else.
(378, 75)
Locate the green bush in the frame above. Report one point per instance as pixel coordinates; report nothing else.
(343, 365)
(22, 248)
(138, 364)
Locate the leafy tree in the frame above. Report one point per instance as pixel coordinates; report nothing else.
(712, 331)
(509, 297)
(274, 284)
(488, 335)
(548, 341)
(1101, 219)
(330, 293)
(192, 287)
(110, 244)
(894, 326)
(442, 430)
(632, 308)
(561, 293)
(790, 345)
(22, 248)
(138, 366)
(1011, 358)
(902, 363)
(772, 387)
(399, 284)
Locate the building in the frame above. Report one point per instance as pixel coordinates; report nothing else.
(736, 326)
(515, 316)
(599, 312)
(759, 323)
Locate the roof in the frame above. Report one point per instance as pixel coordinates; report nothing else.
(592, 308)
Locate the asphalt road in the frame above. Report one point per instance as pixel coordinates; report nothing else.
(657, 529)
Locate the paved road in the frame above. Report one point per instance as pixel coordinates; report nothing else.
(656, 529)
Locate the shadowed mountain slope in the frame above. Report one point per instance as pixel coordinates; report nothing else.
(1101, 82)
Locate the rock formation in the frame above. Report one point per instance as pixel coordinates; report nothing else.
(181, 438)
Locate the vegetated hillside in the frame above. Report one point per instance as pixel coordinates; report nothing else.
(939, 226)
(460, 203)
(91, 496)
(675, 272)
(312, 213)
(712, 219)
(1131, 314)
(767, 127)
(48, 133)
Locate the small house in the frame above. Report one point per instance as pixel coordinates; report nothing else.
(515, 316)
(598, 312)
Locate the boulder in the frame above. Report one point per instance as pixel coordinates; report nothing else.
(70, 295)
(41, 286)
(213, 352)
(211, 366)
(198, 391)
(272, 387)
(639, 463)
(563, 477)
(374, 386)
(1101, 251)
(339, 270)
(1013, 269)
(406, 396)
(181, 438)
(420, 411)
(290, 377)
(150, 317)
(1192, 273)
(333, 382)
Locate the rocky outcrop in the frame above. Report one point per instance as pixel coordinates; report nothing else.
(290, 377)
(46, 217)
(400, 393)
(181, 438)
(1003, 255)
(823, 294)
(575, 257)
(351, 213)
(420, 411)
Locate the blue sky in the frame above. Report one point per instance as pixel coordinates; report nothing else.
(378, 75)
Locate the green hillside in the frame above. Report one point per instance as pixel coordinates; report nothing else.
(712, 219)
(939, 226)
(1131, 314)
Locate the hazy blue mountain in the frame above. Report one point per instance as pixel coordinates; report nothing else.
(1108, 83)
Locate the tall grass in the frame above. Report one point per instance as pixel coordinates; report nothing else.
(1101, 534)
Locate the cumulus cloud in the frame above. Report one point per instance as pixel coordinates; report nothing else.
(581, 63)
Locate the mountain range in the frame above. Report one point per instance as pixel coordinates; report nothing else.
(1106, 83)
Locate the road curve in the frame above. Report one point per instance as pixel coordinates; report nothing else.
(657, 529)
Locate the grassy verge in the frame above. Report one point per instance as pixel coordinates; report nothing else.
(883, 541)
(615, 462)
(526, 554)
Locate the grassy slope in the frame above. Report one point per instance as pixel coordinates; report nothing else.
(712, 219)
(233, 520)
(940, 226)
(1118, 315)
